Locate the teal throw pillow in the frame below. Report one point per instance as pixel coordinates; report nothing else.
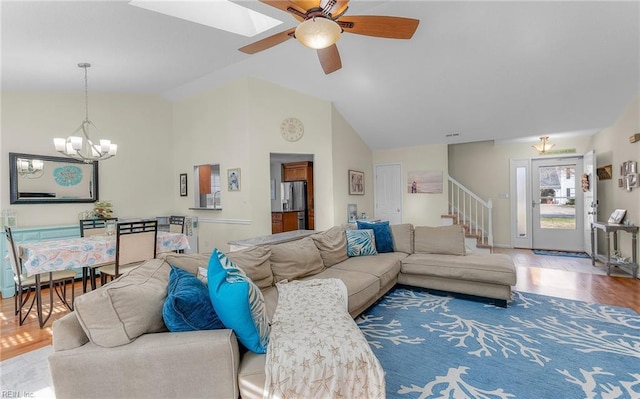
(187, 306)
(360, 242)
(238, 302)
(382, 232)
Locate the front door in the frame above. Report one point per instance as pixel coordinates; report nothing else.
(389, 193)
(557, 210)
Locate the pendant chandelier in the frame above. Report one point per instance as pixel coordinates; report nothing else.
(544, 145)
(82, 147)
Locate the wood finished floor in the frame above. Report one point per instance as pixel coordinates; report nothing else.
(546, 275)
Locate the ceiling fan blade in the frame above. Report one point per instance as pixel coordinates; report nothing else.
(285, 5)
(380, 26)
(268, 42)
(330, 59)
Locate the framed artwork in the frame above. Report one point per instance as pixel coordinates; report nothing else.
(604, 172)
(233, 179)
(352, 213)
(617, 216)
(183, 184)
(356, 182)
(424, 182)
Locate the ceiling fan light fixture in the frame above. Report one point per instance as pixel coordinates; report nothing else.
(318, 32)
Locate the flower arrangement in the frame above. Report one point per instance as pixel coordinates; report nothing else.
(102, 209)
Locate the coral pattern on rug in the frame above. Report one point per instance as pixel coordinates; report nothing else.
(539, 347)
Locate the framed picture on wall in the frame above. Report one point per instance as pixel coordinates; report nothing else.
(356, 182)
(233, 179)
(183, 184)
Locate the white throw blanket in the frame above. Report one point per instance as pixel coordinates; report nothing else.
(316, 350)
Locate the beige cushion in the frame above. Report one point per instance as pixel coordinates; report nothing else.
(295, 259)
(488, 268)
(446, 240)
(188, 262)
(332, 245)
(402, 235)
(254, 262)
(121, 311)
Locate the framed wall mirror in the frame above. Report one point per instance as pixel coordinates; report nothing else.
(39, 179)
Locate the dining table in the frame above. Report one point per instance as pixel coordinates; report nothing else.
(77, 253)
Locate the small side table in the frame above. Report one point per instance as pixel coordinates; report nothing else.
(612, 229)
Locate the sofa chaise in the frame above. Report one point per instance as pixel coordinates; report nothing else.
(115, 343)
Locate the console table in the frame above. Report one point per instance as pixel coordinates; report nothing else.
(609, 230)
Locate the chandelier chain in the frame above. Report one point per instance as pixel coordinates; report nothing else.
(86, 92)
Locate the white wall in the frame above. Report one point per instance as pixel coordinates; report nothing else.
(238, 126)
(138, 181)
(483, 167)
(612, 148)
(419, 209)
(349, 153)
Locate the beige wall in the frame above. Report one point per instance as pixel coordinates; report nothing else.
(238, 126)
(138, 182)
(419, 209)
(613, 148)
(349, 153)
(483, 167)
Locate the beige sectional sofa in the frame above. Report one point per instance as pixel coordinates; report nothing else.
(130, 354)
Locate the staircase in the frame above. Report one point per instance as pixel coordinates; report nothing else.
(473, 213)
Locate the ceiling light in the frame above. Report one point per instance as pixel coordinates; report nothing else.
(318, 32)
(30, 168)
(544, 145)
(84, 149)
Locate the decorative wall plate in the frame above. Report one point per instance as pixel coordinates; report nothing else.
(291, 129)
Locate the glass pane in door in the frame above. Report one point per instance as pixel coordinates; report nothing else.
(522, 206)
(557, 197)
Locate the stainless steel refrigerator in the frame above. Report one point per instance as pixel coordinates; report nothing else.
(294, 198)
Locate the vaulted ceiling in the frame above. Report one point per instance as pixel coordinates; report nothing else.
(473, 70)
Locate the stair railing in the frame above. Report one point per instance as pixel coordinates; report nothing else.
(471, 210)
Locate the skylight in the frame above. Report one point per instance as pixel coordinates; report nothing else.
(219, 14)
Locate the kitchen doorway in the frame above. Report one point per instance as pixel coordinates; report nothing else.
(292, 193)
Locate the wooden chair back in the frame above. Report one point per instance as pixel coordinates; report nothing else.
(136, 241)
(93, 227)
(176, 224)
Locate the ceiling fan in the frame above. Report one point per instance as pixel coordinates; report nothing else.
(322, 23)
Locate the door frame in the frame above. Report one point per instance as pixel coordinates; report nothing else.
(527, 240)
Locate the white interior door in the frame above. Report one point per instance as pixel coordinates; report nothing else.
(590, 195)
(557, 204)
(388, 191)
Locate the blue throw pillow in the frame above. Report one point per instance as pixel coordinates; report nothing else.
(238, 302)
(187, 306)
(360, 243)
(382, 232)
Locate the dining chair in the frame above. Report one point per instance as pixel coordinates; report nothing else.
(28, 285)
(88, 228)
(136, 242)
(176, 225)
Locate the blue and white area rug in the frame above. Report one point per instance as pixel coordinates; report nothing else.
(539, 347)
